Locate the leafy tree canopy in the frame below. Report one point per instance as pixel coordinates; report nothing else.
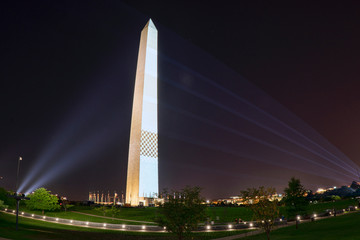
(42, 200)
(2, 205)
(6, 199)
(182, 211)
(265, 211)
(294, 199)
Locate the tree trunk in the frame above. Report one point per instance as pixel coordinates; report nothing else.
(268, 235)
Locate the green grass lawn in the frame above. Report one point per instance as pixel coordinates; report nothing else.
(229, 214)
(344, 227)
(139, 214)
(35, 229)
(81, 217)
(225, 214)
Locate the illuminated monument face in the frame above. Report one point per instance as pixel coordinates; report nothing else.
(142, 175)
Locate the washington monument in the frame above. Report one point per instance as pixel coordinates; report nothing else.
(142, 175)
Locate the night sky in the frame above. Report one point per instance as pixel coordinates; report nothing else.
(249, 94)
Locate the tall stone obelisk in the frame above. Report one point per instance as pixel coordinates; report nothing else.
(142, 175)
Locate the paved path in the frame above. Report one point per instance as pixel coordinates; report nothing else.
(252, 232)
(127, 220)
(242, 235)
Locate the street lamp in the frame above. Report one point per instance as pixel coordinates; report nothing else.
(17, 196)
(17, 175)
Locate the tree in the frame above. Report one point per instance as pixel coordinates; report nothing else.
(182, 211)
(43, 200)
(295, 199)
(102, 209)
(114, 211)
(4, 196)
(265, 211)
(2, 205)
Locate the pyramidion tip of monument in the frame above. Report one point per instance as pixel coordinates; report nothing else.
(150, 23)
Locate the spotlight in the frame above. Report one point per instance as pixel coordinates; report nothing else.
(123, 226)
(251, 224)
(5, 209)
(87, 223)
(44, 217)
(208, 227)
(71, 221)
(104, 225)
(22, 213)
(143, 227)
(230, 226)
(298, 218)
(13, 211)
(32, 215)
(57, 219)
(315, 215)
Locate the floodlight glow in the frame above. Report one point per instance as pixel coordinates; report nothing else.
(13, 211)
(104, 224)
(268, 119)
(298, 218)
(32, 215)
(71, 221)
(143, 227)
(22, 213)
(247, 156)
(208, 227)
(251, 224)
(256, 140)
(123, 226)
(315, 215)
(57, 219)
(77, 156)
(5, 209)
(87, 223)
(44, 217)
(230, 226)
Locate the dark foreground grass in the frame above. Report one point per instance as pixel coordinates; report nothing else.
(344, 227)
(36, 229)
